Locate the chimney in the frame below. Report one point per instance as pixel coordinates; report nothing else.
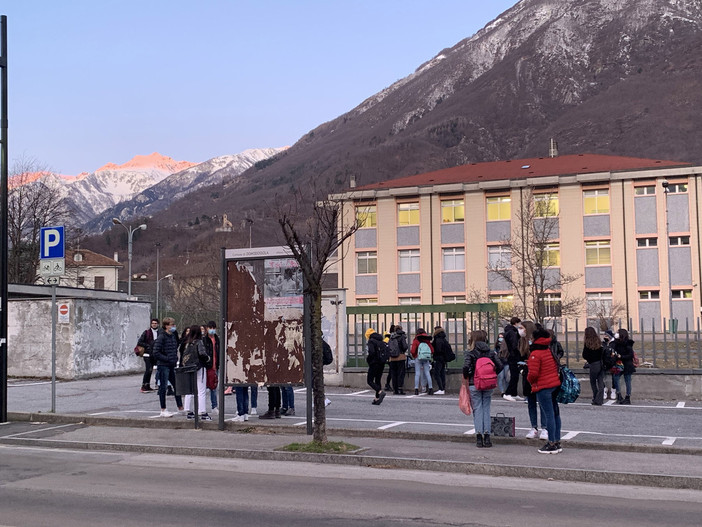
(352, 182)
(553, 148)
(116, 258)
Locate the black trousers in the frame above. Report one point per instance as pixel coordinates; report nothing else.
(439, 371)
(273, 398)
(148, 370)
(597, 382)
(397, 374)
(513, 376)
(375, 375)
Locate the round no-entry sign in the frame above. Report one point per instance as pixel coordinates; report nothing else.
(63, 309)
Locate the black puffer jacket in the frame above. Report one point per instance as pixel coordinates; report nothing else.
(625, 349)
(375, 341)
(512, 341)
(166, 349)
(441, 347)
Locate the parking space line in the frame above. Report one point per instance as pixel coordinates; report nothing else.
(391, 425)
(680, 404)
(609, 403)
(570, 435)
(39, 430)
(669, 441)
(357, 393)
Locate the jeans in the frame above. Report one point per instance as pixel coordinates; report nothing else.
(503, 379)
(597, 382)
(549, 406)
(480, 402)
(242, 399)
(201, 378)
(374, 376)
(397, 374)
(213, 398)
(288, 397)
(531, 403)
(148, 370)
(513, 376)
(440, 374)
(422, 368)
(166, 374)
(627, 383)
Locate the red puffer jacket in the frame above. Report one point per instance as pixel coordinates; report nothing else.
(543, 372)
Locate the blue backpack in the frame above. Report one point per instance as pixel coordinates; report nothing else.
(570, 386)
(424, 351)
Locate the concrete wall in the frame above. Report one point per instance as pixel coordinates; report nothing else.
(98, 337)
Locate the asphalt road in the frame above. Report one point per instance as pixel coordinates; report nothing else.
(676, 423)
(40, 487)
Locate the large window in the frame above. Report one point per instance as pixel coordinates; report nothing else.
(367, 262)
(499, 208)
(454, 259)
(598, 253)
(366, 216)
(550, 305)
(499, 257)
(551, 255)
(546, 205)
(505, 304)
(679, 240)
(409, 301)
(596, 201)
(452, 210)
(408, 214)
(645, 190)
(599, 304)
(408, 261)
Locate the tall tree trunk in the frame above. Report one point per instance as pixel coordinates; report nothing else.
(320, 422)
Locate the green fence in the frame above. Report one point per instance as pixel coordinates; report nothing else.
(458, 320)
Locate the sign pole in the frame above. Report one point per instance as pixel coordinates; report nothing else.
(4, 268)
(53, 349)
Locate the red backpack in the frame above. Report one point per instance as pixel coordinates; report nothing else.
(485, 377)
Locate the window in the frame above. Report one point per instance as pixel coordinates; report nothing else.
(599, 304)
(596, 201)
(598, 253)
(408, 261)
(505, 304)
(454, 259)
(366, 216)
(81, 280)
(454, 299)
(366, 301)
(677, 188)
(550, 305)
(452, 211)
(647, 242)
(499, 257)
(682, 293)
(649, 295)
(644, 191)
(499, 208)
(679, 240)
(99, 282)
(546, 205)
(551, 255)
(409, 301)
(78, 257)
(367, 262)
(408, 214)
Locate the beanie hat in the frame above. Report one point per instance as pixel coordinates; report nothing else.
(369, 332)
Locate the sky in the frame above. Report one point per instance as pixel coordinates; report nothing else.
(92, 82)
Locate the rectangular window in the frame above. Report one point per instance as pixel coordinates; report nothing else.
(505, 304)
(408, 261)
(454, 299)
(677, 188)
(99, 282)
(550, 305)
(367, 262)
(452, 211)
(645, 191)
(551, 255)
(596, 201)
(679, 240)
(499, 208)
(546, 205)
(409, 301)
(682, 293)
(647, 242)
(454, 259)
(598, 253)
(499, 257)
(599, 304)
(408, 214)
(366, 216)
(649, 295)
(366, 301)
(81, 280)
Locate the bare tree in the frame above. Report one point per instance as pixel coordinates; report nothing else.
(313, 236)
(533, 267)
(32, 204)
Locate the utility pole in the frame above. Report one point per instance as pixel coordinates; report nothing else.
(5, 219)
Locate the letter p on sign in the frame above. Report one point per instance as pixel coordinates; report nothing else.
(51, 242)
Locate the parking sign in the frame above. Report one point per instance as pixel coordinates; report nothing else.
(51, 243)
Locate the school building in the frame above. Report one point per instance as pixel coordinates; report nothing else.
(627, 228)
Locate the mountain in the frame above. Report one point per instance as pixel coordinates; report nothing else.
(178, 185)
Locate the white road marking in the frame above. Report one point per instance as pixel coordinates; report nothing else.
(39, 430)
(669, 441)
(358, 393)
(469, 432)
(102, 413)
(570, 435)
(28, 384)
(681, 404)
(391, 425)
(610, 402)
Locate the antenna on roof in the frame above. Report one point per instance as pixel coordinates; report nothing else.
(553, 148)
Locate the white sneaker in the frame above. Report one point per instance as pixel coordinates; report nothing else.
(214, 411)
(238, 418)
(519, 398)
(166, 413)
(327, 402)
(533, 433)
(544, 434)
(509, 398)
(439, 392)
(246, 417)
(253, 411)
(604, 394)
(613, 394)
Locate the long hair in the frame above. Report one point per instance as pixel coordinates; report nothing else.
(592, 339)
(529, 327)
(477, 335)
(195, 334)
(623, 335)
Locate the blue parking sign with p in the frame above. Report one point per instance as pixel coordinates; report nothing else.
(51, 243)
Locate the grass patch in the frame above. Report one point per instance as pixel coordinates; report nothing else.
(330, 447)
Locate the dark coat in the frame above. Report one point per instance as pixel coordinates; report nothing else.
(147, 341)
(481, 349)
(441, 347)
(512, 341)
(592, 355)
(625, 349)
(166, 349)
(211, 352)
(401, 338)
(374, 343)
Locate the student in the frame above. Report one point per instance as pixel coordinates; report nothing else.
(288, 401)
(512, 335)
(195, 354)
(544, 380)
(146, 340)
(376, 364)
(166, 355)
(211, 342)
(422, 352)
(624, 347)
(442, 354)
(503, 376)
(592, 353)
(398, 338)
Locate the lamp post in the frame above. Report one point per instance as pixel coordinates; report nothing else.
(158, 282)
(665, 185)
(130, 232)
(250, 222)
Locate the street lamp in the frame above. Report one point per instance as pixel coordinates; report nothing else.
(158, 281)
(665, 185)
(250, 222)
(130, 231)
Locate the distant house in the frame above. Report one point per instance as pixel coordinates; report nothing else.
(90, 270)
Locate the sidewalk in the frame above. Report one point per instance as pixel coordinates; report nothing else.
(671, 467)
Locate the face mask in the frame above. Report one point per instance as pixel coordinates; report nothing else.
(616, 335)
(500, 339)
(172, 329)
(522, 332)
(212, 331)
(530, 343)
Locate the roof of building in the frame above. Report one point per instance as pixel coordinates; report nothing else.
(90, 259)
(526, 168)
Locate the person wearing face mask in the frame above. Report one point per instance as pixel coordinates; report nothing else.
(501, 351)
(525, 343)
(211, 341)
(624, 348)
(166, 354)
(512, 332)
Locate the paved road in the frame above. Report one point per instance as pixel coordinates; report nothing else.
(676, 423)
(41, 487)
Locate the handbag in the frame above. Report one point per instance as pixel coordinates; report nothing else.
(212, 379)
(139, 350)
(502, 425)
(464, 402)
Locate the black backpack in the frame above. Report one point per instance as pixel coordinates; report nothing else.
(383, 352)
(394, 346)
(609, 358)
(190, 356)
(327, 355)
